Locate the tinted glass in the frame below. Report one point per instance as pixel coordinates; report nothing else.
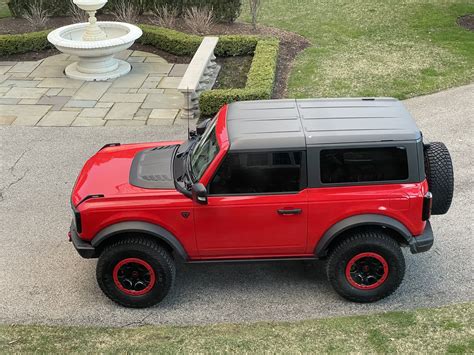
(363, 165)
(204, 152)
(250, 173)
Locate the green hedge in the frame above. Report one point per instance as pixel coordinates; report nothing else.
(22, 43)
(234, 45)
(179, 43)
(171, 41)
(224, 10)
(260, 81)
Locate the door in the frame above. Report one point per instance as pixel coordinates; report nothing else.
(257, 207)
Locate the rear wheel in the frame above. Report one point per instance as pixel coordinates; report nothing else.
(440, 176)
(366, 267)
(135, 272)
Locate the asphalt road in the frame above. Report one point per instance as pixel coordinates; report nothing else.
(43, 280)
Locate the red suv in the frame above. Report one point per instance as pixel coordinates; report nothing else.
(347, 180)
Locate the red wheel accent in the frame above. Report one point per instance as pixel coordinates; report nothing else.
(367, 271)
(134, 276)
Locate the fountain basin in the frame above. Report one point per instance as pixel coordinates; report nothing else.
(96, 58)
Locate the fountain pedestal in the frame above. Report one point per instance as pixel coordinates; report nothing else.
(97, 69)
(93, 31)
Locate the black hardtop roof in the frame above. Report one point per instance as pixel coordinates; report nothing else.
(295, 123)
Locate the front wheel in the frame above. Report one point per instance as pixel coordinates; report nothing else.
(366, 267)
(135, 272)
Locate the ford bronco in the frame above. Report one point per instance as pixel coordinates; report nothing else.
(346, 180)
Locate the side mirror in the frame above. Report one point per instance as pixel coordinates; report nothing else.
(201, 127)
(199, 193)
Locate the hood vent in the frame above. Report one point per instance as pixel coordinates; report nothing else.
(157, 177)
(163, 147)
(151, 168)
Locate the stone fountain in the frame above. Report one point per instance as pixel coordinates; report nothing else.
(95, 44)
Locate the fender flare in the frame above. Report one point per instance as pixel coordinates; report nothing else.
(360, 220)
(150, 229)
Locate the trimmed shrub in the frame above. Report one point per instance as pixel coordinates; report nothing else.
(22, 43)
(171, 41)
(179, 43)
(211, 101)
(224, 11)
(260, 81)
(261, 76)
(234, 45)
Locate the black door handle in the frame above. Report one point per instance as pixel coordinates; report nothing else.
(285, 212)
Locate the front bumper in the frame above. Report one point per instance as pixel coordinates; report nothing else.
(423, 242)
(85, 249)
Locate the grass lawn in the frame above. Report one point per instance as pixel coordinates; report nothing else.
(4, 11)
(447, 329)
(399, 48)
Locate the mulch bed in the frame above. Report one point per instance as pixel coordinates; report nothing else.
(291, 43)
(467, 22)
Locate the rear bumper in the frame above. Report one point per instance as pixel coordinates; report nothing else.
(85, 249)
(423, 242)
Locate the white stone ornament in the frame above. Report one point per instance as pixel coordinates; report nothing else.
(93, 31)
(95, 44)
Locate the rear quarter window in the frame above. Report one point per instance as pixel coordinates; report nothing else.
(358, 165)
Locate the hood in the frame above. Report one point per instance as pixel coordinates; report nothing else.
(126, 169)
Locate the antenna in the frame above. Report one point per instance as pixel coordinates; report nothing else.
(189, 110)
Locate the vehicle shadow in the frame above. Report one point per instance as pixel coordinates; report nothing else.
(245, 281)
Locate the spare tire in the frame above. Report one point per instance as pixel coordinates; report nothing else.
(440, 176)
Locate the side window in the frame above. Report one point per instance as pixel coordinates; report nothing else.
(259, 172)
(363, 165)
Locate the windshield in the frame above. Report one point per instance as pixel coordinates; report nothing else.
(204, 152)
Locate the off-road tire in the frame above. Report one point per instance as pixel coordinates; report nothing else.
(143, 249)
(375, 242)
(440, 176)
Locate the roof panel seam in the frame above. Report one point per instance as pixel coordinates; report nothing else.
(300, 120)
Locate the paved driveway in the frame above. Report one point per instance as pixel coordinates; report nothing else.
(43, 280)
(37, 93)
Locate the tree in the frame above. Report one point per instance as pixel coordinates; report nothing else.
(254, 10)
